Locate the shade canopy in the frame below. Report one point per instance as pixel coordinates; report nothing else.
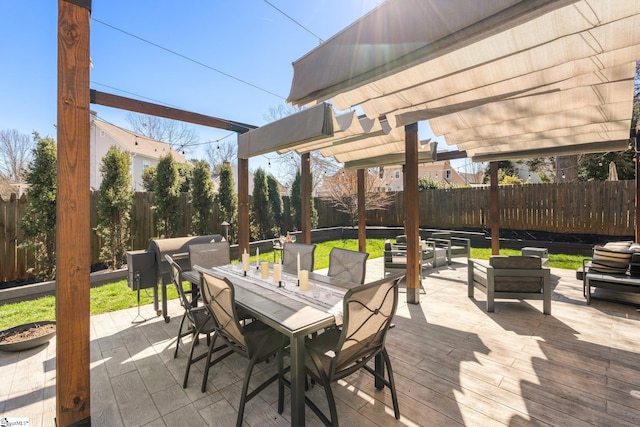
(346, 137)
(491, 77)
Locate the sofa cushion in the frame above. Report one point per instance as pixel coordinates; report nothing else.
(611, 259)
(515, 262)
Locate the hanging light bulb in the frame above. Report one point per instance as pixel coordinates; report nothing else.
(136, 141)
(563, 175)
(218, 148)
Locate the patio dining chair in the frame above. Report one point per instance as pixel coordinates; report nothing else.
(290, 258)
(255, 341)
(350, 266)
(339, 352)
(199, 319)
(208, 255)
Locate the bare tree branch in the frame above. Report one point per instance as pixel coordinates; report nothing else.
(225, 151)
(15, 154)
(342, 191)
(179, 135)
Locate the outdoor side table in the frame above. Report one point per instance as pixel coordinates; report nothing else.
(539, 252)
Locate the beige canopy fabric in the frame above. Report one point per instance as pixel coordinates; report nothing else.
(307, 125)
(491, 76)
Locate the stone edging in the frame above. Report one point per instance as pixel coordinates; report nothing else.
(37, 290)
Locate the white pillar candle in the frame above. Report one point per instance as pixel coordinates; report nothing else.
(277, 272)
(264, 269)
(303, 276)
(245, 261)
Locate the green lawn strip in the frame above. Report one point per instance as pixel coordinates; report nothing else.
(103, 299)
(118, 296)
(569, 262)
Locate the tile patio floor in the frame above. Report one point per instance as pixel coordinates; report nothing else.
(454, 364)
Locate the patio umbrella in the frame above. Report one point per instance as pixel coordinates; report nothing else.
(613, 172)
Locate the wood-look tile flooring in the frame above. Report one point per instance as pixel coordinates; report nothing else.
(455, 364)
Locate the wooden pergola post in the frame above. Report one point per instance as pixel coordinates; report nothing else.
(243, 207)
(494, 209)
(362, 216)
(305, 197)
(411, 213)
(637, 201)
(73, 246)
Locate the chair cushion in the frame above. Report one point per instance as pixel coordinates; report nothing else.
(517, 284)
(611, 258)
(517, 262)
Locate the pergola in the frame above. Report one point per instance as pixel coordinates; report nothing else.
(497, 78)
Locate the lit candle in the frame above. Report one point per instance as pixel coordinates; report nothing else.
(264, 269)
(303, 276)
(277, 272)
(298, 263)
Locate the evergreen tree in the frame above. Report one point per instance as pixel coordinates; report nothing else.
(261, 217)
(114, 206)
(295, 202)
(149, 178)
(166, 203)
(39, 220)
(201, 196)
(275, 200)
(228, 200)
(185, 173)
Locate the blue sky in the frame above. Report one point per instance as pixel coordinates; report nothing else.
(247, 39)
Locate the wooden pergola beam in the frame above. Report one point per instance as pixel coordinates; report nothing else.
(138, 106)
(73, 387)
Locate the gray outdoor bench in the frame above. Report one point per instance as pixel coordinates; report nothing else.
(614, 282)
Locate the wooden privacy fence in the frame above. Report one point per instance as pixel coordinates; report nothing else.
(605, 208)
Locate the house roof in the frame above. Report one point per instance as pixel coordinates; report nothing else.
(145, 146)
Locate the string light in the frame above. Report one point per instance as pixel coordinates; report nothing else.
(563, 176)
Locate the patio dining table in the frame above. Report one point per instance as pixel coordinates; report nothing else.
(289, 310)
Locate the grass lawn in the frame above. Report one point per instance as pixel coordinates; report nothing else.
(118, 296)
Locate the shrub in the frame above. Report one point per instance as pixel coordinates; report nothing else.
(114, 206)
(39, 220)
